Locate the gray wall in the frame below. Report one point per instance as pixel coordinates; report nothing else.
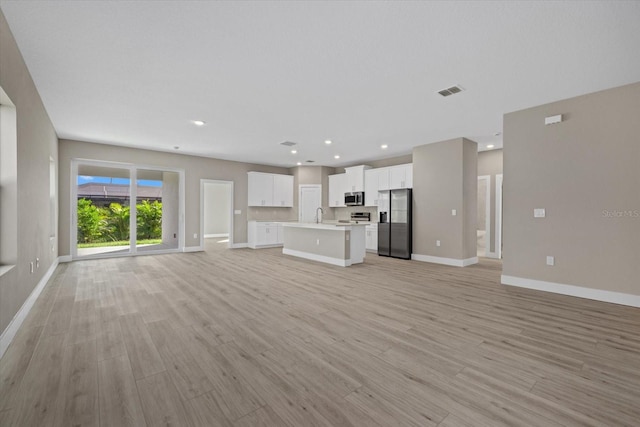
(196, 168)
(170, 208)
(445, 178)
(490, 163)
(382, 163)
(585, 172)
(216, 208)
(36, 143)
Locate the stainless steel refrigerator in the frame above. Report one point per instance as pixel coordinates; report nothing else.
(394, 228)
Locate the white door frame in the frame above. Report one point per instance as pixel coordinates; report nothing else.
(487, 215)
(133, 168)
(498, 243)
(231, 192)
(300, 187)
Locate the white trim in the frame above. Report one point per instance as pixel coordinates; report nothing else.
(491, 255)
(446, 261)
(230, 185)
(211, 236)
(193, 249)
(274, 245)
(10, 332)
(239, 245)
(498, 225)
(574, 291)
(65, 258)
(321, 258)
(487, 214)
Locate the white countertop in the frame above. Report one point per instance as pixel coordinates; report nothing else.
(324, 226)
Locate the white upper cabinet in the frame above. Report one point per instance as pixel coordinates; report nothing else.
(401, 176)
(269, 189)
(283, 190)
(371, 187)
(337, 188)
(355, 178)
(389, 178)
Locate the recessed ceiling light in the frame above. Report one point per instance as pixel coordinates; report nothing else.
(490, 146)
(336, 156)
(198, 122)
(299, 163)
(294, 151)
(384, 146)
(327, 142)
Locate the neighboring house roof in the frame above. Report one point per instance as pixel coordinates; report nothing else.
(95, 190)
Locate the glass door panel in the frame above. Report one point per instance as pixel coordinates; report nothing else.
(103, 210)
(157, 209)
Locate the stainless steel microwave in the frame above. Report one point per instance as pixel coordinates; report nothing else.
(354, 199)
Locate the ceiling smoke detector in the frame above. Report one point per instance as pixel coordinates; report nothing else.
(450, 90)
(288, 143)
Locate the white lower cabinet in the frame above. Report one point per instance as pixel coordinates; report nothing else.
(265, 234)
(371, 237)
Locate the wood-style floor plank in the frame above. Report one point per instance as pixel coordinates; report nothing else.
(119, 401)
(78, 392)
(161, 402)
(144, 357)
(255, 338)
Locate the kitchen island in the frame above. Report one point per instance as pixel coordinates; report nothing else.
(341, 244)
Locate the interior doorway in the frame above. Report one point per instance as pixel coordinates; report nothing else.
(216, 214)
(483, 228)
(309, 200)
(498, 233)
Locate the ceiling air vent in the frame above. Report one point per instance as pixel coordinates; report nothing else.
(450, 91)
(311, 161)
(288, 143)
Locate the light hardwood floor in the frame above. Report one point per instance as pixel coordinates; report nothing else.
(255, 338)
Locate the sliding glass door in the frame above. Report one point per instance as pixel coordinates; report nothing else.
(157, 210)
(125, 209)
(103, 210)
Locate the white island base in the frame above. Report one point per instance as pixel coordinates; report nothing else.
(337, 244)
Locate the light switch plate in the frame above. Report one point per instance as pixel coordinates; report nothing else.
(237, 212)
(551, 260)
(438, 243)
(539, 213)
(454, 212)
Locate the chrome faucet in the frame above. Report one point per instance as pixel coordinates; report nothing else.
(318, 216)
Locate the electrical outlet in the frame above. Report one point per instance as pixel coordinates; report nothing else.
(438, 243)
(539, 213)
(195, 235)
(317, 241)
(454, 212)
(37, 262)
(551, 260)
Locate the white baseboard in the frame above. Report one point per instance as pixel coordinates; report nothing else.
(10, 332)
(493, 255)
(321, 258)
(193, 249)
(209, 236)
(446, 261)
(574, 291)
(239, 245)
(65, 258)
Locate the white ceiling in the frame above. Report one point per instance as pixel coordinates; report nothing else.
(361, 74)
